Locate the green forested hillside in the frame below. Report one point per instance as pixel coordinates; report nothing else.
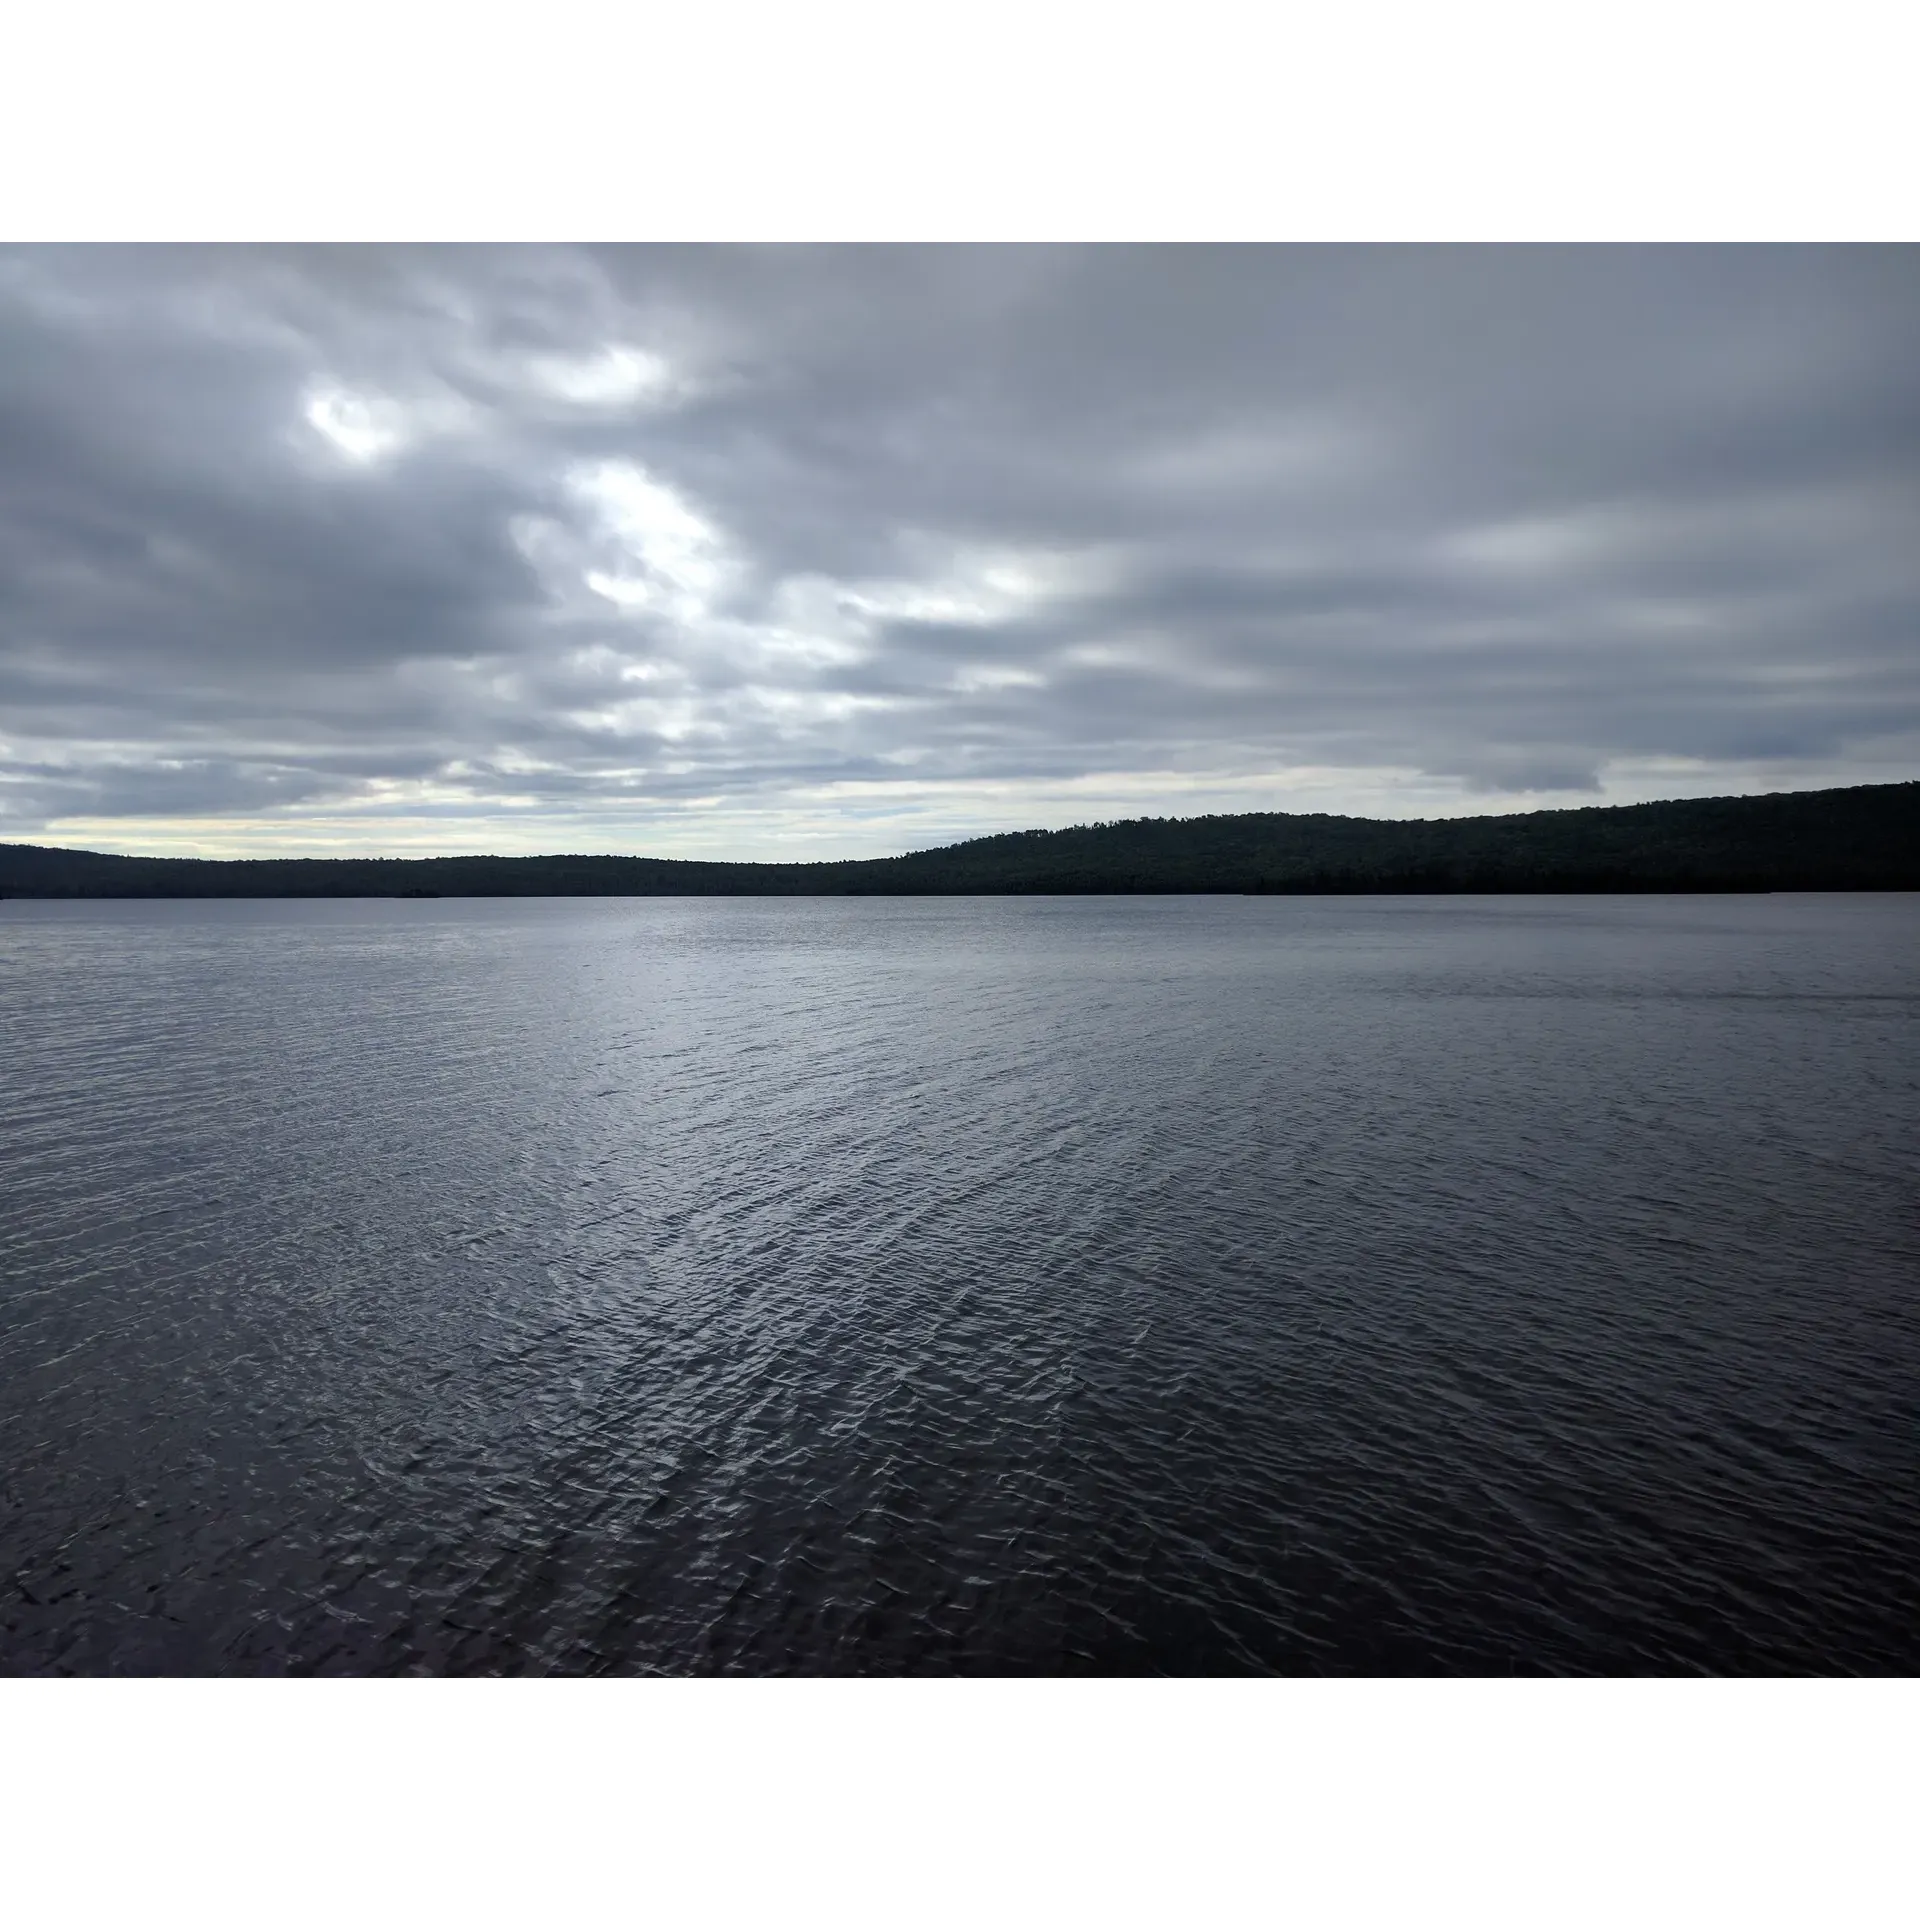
(1846, 837)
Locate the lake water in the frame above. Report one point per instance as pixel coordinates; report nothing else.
(972, 1285)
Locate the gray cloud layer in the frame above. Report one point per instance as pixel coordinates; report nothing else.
(682, 548)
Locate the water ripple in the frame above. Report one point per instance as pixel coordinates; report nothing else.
(960, 1286)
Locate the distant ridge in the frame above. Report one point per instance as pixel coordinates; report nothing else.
(1842, 838)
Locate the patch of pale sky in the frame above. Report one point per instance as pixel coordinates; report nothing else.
(872, 819)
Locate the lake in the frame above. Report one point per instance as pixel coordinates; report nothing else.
(984, 1285)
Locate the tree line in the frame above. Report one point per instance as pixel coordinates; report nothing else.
(1841, 838)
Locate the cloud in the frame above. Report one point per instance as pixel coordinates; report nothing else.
(780, 550)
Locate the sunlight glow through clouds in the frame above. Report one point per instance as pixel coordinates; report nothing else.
(681, 557)
(367, 426)
(978, 585)
(647, 550)
(352, 426)
(616, 376)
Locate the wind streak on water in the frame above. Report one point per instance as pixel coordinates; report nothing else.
(1199, 1285)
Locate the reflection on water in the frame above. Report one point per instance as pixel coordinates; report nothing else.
(1201, 1285)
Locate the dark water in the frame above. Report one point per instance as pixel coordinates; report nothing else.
(980, 1285)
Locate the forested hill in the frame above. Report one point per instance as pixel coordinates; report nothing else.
(1845, 837)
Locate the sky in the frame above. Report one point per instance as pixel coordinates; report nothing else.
(787, 553)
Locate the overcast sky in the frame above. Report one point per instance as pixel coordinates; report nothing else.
(784, 552)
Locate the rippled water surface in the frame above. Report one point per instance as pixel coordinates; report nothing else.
(1183, 1285)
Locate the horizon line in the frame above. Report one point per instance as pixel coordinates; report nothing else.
(1010, 833)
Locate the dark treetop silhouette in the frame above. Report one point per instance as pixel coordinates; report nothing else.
(1843, 838)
